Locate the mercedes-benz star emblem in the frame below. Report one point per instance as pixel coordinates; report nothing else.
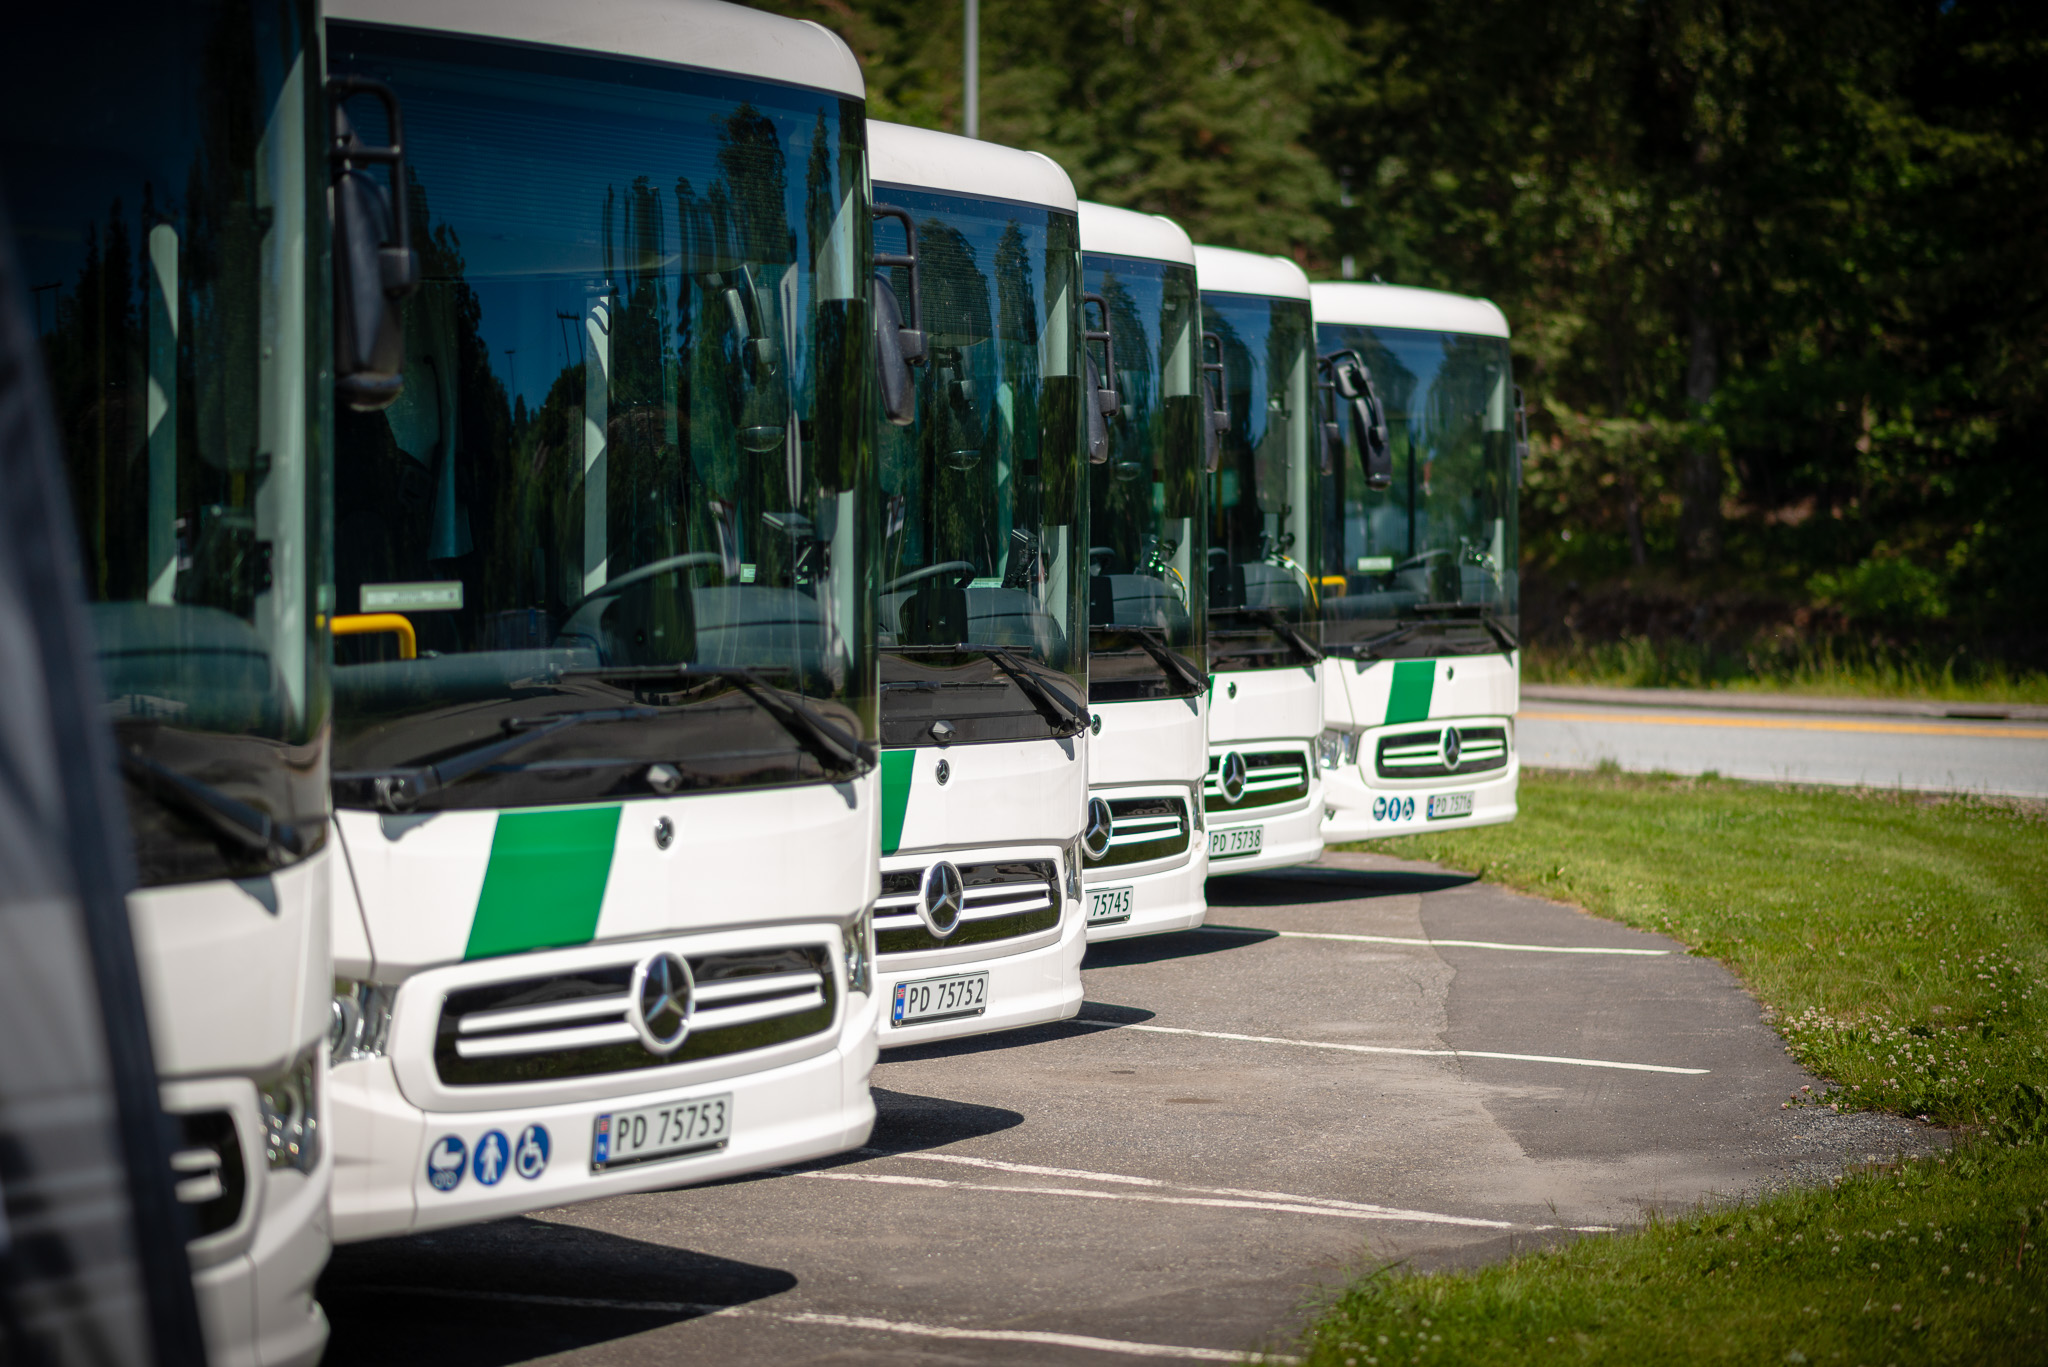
(662, 1002)
(1453, 745)
(940, 899)
(1101, 826)
(1233, 777)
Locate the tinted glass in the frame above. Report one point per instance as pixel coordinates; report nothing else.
(983, 515)
(632, 448)
(169, 201)
(1438, 547)
(1262, 529)
(1146, 532)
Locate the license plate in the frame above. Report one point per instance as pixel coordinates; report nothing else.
(694, 1126)
(1109, 904)
(1450, 804)
(940, 998)
(1233, 841)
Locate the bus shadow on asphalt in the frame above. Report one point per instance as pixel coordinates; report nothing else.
(1154, 949)
(1308, 886)
(505, 1292)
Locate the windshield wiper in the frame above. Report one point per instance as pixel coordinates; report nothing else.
(843, 755)
(1357, 649)
(230, 818)
(1498, 630)
(397, 789)
(1286, 632)
(1172, 662)
(1066, 719)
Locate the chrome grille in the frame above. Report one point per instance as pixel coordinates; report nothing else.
(1006, 899)
(1420, 754)
(575, 1024)
(1272, 777)
(1145, 828)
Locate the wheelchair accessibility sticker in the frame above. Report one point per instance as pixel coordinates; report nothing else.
(531, 1156)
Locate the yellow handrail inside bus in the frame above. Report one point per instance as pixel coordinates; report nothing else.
(376, 623)
(1333, 581)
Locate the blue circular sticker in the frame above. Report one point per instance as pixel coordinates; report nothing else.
(445, 1162)
(1407, 808)
(531, 1157)
(492, 1152)
(1379, 809)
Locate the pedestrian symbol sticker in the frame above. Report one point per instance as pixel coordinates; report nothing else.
(491, 1153)
(445, 1162)
(531, 1157)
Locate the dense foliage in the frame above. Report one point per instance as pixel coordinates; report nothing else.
(1773, 268)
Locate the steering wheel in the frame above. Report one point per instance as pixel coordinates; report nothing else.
(963, 570)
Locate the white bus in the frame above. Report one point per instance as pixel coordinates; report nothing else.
(605, 653)
(1148, 667)
(1420, 593)
(169, 170)
(983, 595)
(1264, 793)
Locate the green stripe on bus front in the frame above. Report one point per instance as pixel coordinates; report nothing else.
(545, 881)
(896, 768)
(1408, 699)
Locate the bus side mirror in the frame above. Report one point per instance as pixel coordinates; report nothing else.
(374, 265)
(1217, 420)
(1350, 384)
(892, 367)
(1106, 400)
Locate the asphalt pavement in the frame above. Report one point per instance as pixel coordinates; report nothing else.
(1921, 747)
(1358, 1062)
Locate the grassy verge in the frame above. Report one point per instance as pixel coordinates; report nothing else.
(1903, 948)
(1827, 669)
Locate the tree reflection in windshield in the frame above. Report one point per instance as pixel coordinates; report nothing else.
(1262, 531)
(1440, 542)
(630, 439)
(1147, 538)
(983, 513)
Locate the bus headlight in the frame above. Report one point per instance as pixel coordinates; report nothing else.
(291, 1114)
(1336, 748)
(857, 939)
(359, 1022)
(1073, 870)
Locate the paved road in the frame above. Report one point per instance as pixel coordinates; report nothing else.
(1922, 753)
(1360, 1061)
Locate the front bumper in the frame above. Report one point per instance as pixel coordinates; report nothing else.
(812, 1108)
(1033, 987)
(1290, 838)
(1162, 901)
(1358, 806)
(253, 1281)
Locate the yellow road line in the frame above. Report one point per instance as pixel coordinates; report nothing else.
(1890, 728)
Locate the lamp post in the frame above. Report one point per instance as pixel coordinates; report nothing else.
(972, 47)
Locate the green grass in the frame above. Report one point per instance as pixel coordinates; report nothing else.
(1901, 945)
(1828, 669)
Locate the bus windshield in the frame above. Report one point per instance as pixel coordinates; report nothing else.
(168, 192)
(1262, 531)
(1426, 566)
(624, 483)
(981, 579)
(1145, 528)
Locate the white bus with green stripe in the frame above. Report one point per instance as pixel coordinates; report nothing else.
(983, 594)
(1146, 848)
(604, 686)
(1263, 796)
(1420, 594)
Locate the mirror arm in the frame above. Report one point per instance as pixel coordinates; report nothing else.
(1106, 396)
(913, 330)
(1219, 408)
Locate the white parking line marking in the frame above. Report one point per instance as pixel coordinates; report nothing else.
(1284, 1197)
(1391, 1049)
(1460, 944)
(937, 1331)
